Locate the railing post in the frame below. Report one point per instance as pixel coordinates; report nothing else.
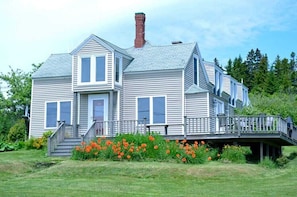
(144, 124)
(185, 126)
(49, 148)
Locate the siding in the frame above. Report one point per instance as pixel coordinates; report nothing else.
(167, 83)
(43, 90)
(226, 84)
(83, 116)
(196, 105)
(210, 70)
(93, 48)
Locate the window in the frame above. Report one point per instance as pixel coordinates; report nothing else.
(100, 68)
(152, 108)
(144, 109)
(51, 114)
(118, 69)
(92, 69)
(195, 71)
(218, 82)
(57, 111)
(233, 92)
(85, 69)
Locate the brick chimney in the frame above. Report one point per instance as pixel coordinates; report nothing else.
(140, 31)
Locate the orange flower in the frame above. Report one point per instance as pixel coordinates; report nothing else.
(202, 142)
(193, 155)
(143, 145)
(176, 141)
(128, 157)
(196, 142)
(131, 150)
(167, 151)
(108, 142)
(83, 143)
(88, 149)
(184, 141)
(156, 147)
(209, 158)
(184, 159)
(99, 140)
(119, 156)
(93, 144)
(177, 155)
(122, 154)
(144, 149)
(103, 137)
(151, 138)
(77, 148)
(196, 146)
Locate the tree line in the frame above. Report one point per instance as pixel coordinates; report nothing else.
(261, 77)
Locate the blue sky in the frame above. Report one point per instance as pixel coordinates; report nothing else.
(31, 30)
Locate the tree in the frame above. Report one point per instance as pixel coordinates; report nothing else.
(18, 97)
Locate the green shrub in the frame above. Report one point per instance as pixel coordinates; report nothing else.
(282, 161)
(38, 143)
(10, 146)
(268, 163)
(18, 131)
(235, 154)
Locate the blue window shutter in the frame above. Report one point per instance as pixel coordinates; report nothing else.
(143, 109)
(51, 114)
(100, 68)
(85, 69)
(158, 110)
(65, 112)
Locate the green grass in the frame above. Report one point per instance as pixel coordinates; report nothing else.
(31, 173)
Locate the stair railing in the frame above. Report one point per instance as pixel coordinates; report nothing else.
(56, 138)
(90, 134)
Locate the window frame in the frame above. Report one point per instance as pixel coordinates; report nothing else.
(218, 82)
(93, 69)
(151, 110)
(195, 71)
(58, 112)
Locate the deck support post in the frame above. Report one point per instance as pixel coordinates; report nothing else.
(267, 151)
(261, 151)
(185, 127)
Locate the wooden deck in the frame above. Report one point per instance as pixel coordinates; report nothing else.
(224, 129)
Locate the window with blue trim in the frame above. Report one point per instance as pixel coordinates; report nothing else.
(51, 114)
(195, 71)
(85, 69)
(100, 68)
(57, 111)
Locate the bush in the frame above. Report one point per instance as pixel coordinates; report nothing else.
(143, 147)
(10, 146)
(236, 154)
(18, 131)
(38, 143)
(267, 163)
(282, 161)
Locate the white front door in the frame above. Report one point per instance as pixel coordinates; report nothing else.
(97, 108)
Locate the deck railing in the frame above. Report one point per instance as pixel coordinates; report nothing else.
(236, 125)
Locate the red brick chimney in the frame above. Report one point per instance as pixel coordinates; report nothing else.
(140, 31)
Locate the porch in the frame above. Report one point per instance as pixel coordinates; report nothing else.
(266, 134)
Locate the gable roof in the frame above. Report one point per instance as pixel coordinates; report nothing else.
(57, 65)
(150, 58)
(103, 42)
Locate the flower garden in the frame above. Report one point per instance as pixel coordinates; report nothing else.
(137, 147)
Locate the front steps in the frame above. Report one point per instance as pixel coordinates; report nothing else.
(64, 149)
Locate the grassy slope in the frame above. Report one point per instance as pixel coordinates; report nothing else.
(20, 176)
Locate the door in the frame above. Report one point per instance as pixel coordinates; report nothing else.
(219, 110)
(98, 111)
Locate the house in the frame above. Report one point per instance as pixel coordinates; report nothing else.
(99, 81)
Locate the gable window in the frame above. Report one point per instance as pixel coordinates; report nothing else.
(57, 111)
(92, 69)
(118, 69)
(195, 71)
(85, 69)
(152, 108)
(100, 68)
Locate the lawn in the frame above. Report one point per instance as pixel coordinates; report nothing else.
(31, 173)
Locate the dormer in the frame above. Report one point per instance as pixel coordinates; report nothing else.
(230, 87)
(218, 89)
(97, 65)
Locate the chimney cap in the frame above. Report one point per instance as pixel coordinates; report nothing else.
(139, 13)
(176, 42)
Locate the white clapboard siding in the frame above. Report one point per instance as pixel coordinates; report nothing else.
(46, 90)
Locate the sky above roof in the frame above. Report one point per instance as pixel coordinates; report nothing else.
(31, 30)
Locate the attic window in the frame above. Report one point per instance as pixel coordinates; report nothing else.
(92, 69)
